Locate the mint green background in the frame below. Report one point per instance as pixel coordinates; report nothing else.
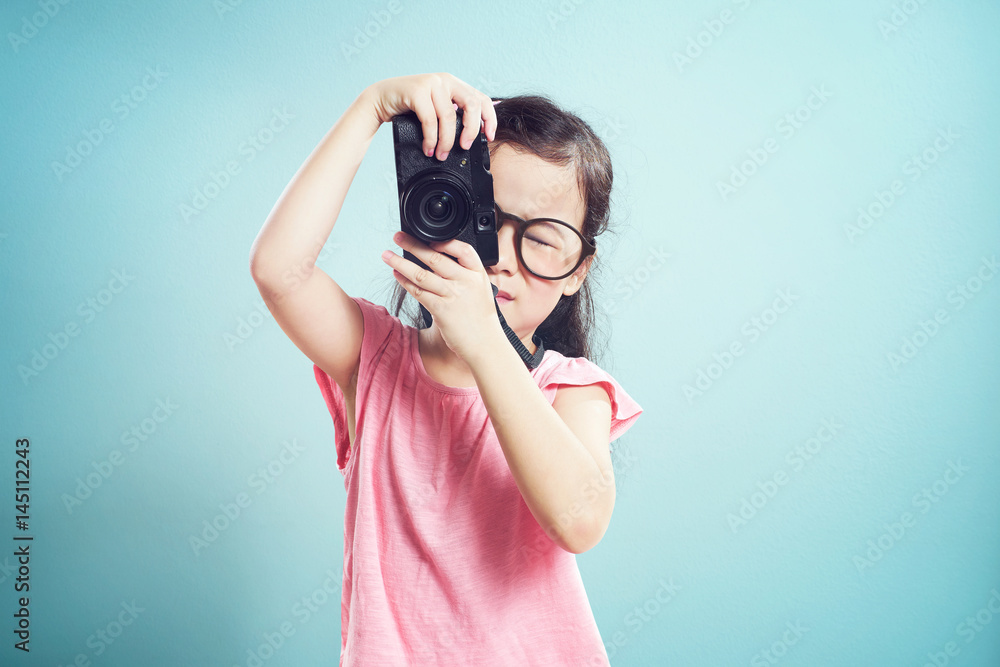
(673, 132)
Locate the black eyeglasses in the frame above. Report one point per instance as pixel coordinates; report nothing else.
(548, 248)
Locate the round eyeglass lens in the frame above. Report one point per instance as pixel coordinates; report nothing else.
(550, 249)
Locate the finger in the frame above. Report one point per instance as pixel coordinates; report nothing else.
(423, 297)
(464, 253)
(420, 278)
(471, 102)
(490, 120)
(424, 108)
(437, 262)
(446, 120)
(472, 121)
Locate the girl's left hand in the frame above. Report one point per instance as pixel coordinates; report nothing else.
(458, 294)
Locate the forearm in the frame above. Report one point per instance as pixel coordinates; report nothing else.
(303, 218)
(552, 468)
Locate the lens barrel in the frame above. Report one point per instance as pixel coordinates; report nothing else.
(436, 206)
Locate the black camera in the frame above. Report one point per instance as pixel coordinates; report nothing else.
(442, 200)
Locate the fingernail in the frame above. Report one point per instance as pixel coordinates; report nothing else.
(386, 254)
(429, 152)
(444, 156)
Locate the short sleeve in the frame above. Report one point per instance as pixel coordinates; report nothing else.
(582, 372)
(379, 329)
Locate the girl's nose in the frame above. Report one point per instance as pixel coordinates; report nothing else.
(506, 257)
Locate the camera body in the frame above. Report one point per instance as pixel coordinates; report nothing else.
(442, 200)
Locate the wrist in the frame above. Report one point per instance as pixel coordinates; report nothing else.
(365, 105)
(497, 349)
(370, 99)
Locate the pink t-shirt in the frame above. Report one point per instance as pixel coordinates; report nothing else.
(444, 563)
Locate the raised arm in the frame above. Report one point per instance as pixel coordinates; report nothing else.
(315, 313)
(312, 309)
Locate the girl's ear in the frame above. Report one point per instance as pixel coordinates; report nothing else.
(575, 280)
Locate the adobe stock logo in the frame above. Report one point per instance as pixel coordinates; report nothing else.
(60, 340)
(914, 167)
(963, 293)
(566, 9)
(261, 481)
(796, 459)
(246, 327)
(924, 500)
(122, 106)
(752, 329)
(104, 637)
(223, 7)
(303, 610)
(969, 629)
(642, 615)
(779, 648)
(900, 16)
(699, 43)
(786, 126)
(380, 20)
(38, 21)
(249, 149)
(632, 283)
(104, 469)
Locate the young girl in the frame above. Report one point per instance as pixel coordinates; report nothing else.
(472, 478)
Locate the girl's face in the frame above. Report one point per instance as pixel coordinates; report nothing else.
(529, 187)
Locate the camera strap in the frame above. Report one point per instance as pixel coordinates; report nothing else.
(530, 360)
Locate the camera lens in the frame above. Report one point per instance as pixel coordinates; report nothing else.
(436, 206)
(439, 208)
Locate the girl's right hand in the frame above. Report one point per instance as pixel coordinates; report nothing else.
(435, 99)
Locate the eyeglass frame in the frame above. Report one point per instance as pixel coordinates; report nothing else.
(586, 249)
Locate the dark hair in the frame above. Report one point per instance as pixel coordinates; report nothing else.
(533, 123)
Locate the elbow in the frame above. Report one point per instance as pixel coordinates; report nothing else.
(268, 287)
(255, 267)
(583, 540)
(266, 274)
(256, 261)
(264, 280)
(276, 277)
(568, 538)
(261, 269)
(584, 533)
(582, 526)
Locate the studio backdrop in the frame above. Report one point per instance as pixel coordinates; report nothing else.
(801, 289)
